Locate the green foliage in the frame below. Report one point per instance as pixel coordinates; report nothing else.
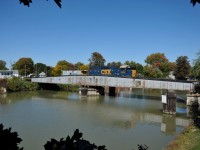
(18, 84)
(3, 83)
(76, 142)
(84, 68)
(158, 66)
(78, 65)
(3, 65)
(156, 59)
(182, 70)
(114, 64)
(195, 113)
(9, 140)
(152, 72)
(62, 65)
(137, 66)
(39, 67)
(25, 66)
(96, 59)
(195, 72)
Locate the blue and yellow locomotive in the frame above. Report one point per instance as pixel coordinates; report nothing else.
(122, 71)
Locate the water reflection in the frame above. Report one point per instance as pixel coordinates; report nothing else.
(127, 113)
(125, 119)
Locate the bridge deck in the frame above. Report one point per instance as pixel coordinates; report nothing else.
(116, 82)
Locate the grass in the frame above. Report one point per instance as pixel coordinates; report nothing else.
(189, 139)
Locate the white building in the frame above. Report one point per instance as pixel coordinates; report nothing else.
(9, 73)
(71, 72)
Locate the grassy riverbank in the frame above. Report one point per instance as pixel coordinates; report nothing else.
(189, 139)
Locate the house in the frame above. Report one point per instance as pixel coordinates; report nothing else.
(71, 72)
(9, 73)
(42, 74)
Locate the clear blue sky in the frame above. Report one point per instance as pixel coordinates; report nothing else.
(118, 29)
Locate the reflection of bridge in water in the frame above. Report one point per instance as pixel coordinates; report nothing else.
(129, 118)
(167, 123)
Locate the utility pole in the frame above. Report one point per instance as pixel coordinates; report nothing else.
(25, 70)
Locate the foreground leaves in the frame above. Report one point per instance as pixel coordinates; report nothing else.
(9, 140)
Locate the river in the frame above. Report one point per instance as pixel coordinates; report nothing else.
(119, 122)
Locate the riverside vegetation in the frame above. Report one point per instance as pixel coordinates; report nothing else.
(16, 84)
(190, 137)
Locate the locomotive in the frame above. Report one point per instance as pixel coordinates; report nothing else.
(122, 71)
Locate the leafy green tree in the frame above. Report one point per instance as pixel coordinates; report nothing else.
(137, 66)
(49, 71)
(96, 60)
(156, 59)
(157, 63)
(196, 66)
(62, 65)
(115, 64)
(77, 65)
(84, 67)
(39, 67)
(152, 72)
(3, 65)
(25, 66)
(182, 70)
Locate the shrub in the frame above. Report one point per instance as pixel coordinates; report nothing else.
(18, 84)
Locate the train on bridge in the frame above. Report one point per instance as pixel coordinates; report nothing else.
(122, 71)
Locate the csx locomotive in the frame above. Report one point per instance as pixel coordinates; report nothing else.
(122, 71)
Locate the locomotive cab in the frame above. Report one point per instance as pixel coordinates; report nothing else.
(127, 71)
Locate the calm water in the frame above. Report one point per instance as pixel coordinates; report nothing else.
(120, 122)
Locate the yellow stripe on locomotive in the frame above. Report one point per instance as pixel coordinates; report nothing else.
(133, 73)
(106, 72)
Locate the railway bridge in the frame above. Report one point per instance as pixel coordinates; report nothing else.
(112, 85)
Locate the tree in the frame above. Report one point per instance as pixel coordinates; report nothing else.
(137, 66)
(182, 70)
(115, 64)
(194, 2)
(27, 2)
(3, 65)
(77, 65)
(25, 66)
(49, 71)
(157, 63)
(196, 66)
(40, 67)
(84, 67)
(96, 60)
(156, 59)
(152, 72)
(62, 65)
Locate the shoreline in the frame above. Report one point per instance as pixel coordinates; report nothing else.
(188, 139)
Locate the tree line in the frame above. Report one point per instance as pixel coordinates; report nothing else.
(157, 66)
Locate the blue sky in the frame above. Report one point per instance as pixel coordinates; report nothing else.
(120, 30)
